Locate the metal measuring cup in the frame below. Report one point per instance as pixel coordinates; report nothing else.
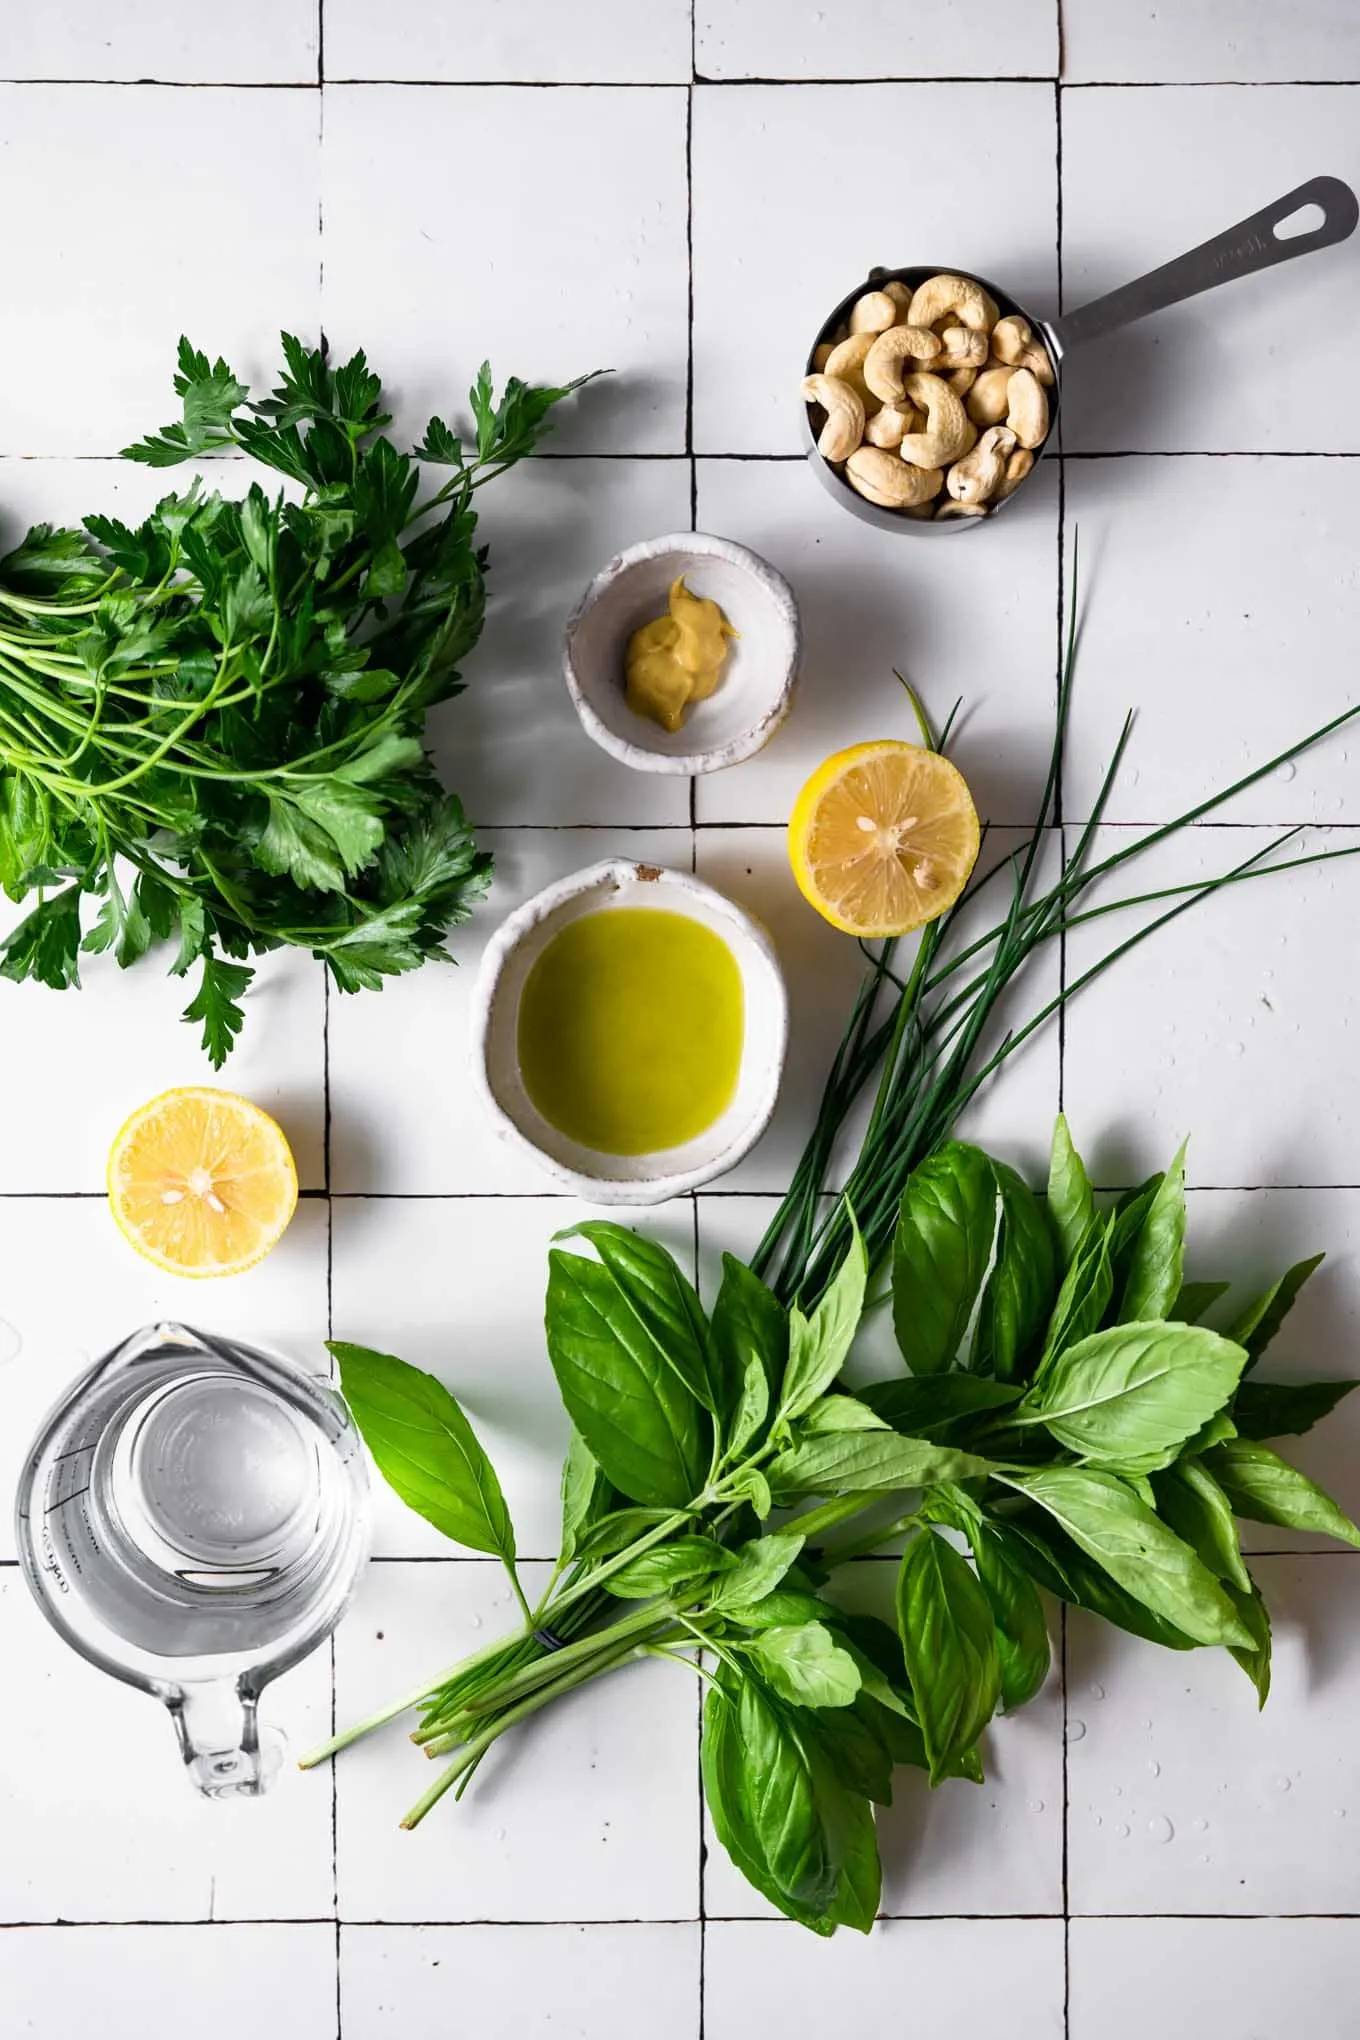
(1253, 244)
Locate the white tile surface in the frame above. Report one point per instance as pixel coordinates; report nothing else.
(1229, 1025)
(132, 1983)
(255, 42)
(395, 1131)
(593, 1816)
(610, 42)
(1276, 1971)
(1237, 658)
(1246, 368)
(1184, 1799)
(875, 39)
(429, 296)
(1202, 40)
(966, 1977)
(512, 743)
(874, 603)
(71, 1288)
(456, 1286)
(91, 1763)
(774, 170)
(523, 1981)
(227, 256)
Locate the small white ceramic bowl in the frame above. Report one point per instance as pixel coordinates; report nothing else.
(753, 693)
(512, 953)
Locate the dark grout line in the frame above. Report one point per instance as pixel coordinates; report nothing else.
(697, 78)
(639, 1920)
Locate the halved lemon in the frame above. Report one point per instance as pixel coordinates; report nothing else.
(883, 837)
(202, 1182)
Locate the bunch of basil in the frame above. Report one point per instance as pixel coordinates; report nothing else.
(1065, 1419)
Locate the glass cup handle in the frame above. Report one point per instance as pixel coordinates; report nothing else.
(219, 1734)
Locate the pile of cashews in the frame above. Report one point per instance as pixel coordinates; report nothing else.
(930, 393)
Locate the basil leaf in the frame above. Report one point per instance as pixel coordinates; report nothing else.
(1255, 1662)
(425, 1448)
(1261, 1320)
(1018, 1294)
(805, 1664)
(942, 1247)
(1195, 1506)
(949, 1642)
(751, 1413)
(781, 1609)
(855, 1462)
(1285, 1409)
(858, 1741)
(1267, 1489)
(751, 1484)
(818, 1345)
(615, 1532)
(1157, 1262)
(749, 1324)
(841, 1413)
(1022, 1644)
(638, 1418)
(1122, 1397)
(937, 1406)
(684, 1561)
(586, 1494)
(1112, 1526)
(1056, 1563)
(1084, 1296)
(781, 1812)
(1195, 1298)
(1071, 1202)
(668, 1312)
(1127, 1222)
(760, 1566)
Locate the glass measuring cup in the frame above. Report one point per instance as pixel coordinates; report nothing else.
(192, 1518)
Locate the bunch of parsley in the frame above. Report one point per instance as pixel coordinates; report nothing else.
(211, 725)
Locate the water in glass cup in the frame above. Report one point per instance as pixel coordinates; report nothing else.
(192, 1518)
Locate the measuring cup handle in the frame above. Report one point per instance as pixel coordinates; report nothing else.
(219, 1739)
(1251, 245)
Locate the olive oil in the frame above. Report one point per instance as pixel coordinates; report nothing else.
(630, 1029)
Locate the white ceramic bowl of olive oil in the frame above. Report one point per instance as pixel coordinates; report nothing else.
(629, 1025)
(755, 687)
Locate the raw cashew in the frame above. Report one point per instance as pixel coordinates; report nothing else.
(900, 293)
(821, 355)
(846, 362)
(880, 477)
(953, 508)
(1013, 341)
(940, 296)
(844, 427)
(873, 313)
(980, 473)
(987, 400)
(947, 433)
(1017, 467)
(1027, 415)
(959, 349)
(889, 426)
(961, 381)
(883, 363)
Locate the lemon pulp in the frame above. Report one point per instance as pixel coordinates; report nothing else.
(630, 1029)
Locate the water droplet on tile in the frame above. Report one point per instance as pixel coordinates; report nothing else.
(1075, 1730)
(1237, 1048)
(1288, 771)
(500, 1834)
(11, 1342)
(1160, 1828)
(1099, 1820)
(1116, 1791)
(1035, 1806)
(1154, 1767)
(1097, 1692)
(1123, 1831)
(474, 1621)
(1206, 1859)
(1145, 1723)
(1339, 1812)
(1224, 1786)
(1283, 1784)
(1201, 1825)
